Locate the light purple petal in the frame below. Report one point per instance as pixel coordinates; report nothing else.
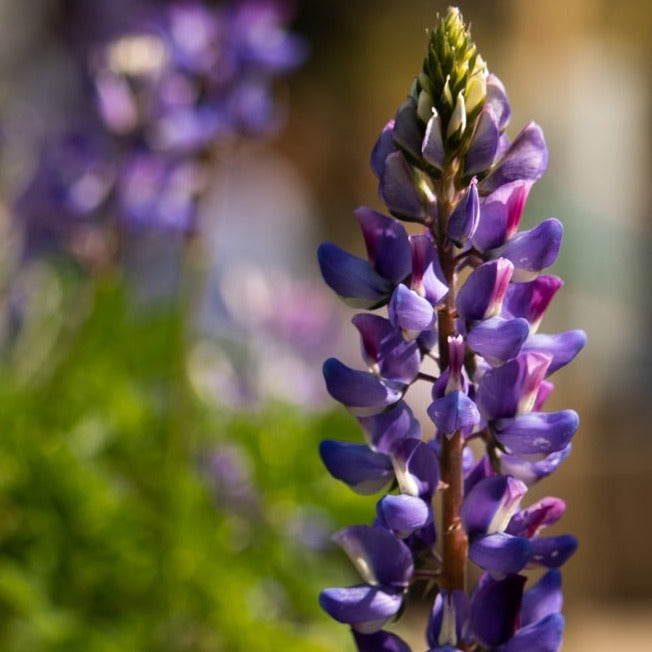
(448, 620)
(403, 513)
(433, 143)
(383, 148)
(361, 605)
(563, 347)
(542, 636)
(530, 300)
(364, 470)
(542, 599)
(464, 220)
(482, 294)
(383, 430)
(427, 277)
(498, 339)
(453, 412)
(497, 100)
(530, 472)
(500, 552)
(398, 191)
(537, 433)
(410, 312)
(484, 145)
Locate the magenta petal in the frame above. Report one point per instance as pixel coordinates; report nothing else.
(364, 470)
(500, 552)
(497, 101)
(398, 191)
(383, 148)
(542, 599)
(378, 555)
(484, 145)
(383, 430)
(563, 347)
(380, 642)
(552, 552)
(403, 513)
(482, 294)
(536, 433)
(534, 250)
(387, 243)
(530, 300)
(352, 278)
(363, 393)
(526, 158)
(543, 513)
(498, 339)
(453, 412)
(361, 605)
(410, 312)
(542, 636)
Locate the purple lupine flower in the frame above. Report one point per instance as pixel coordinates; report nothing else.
(445, 162)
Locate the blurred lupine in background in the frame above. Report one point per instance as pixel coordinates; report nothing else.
(464, 297)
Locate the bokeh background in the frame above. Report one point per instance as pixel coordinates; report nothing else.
(160, 487)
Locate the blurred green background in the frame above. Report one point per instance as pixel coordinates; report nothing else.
(160, 487)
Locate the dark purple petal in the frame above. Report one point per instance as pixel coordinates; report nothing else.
(542, 599)
(385, 350)
(543, 513)
(387, 243)
(378, 555)
(383, 148)
(427, 277)
(563, 347)
(537, 433)
(403, 513)
(497, 100)
(383, 430)
(534, 250)
(407, 132)
(481, 470)
(364, 470)
(397, 189)
(363, 393)
(456, 380)
(490, 504)
(542, 636)
(433, 142)
(482, 294)
(512, 388)
(380, 642)
(531, 472)
(500, 552)
(416, 468)
(364, 607)
(410, 312)
(453, 412)
(495, 606)
(552, 552)
(352, 278)
(500, 214)
(448, 620)
(526, 158)
(497, 339)
(530, 300)
(484, 145)
(464, 220)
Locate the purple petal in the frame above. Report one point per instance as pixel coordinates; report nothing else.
(542, 599)
(490, 504)
(484, 145)
(427, 277)
(500, 214)
(383, 148)
(387, 243)
(403, 513)
(526, 158)
(542, 636)
(378, 555)
(448, 620)
(398, 191)
(364, 470)
(383, 430)
(410, 312)
(530, 300)
(456, 380)
(453, 412)
(552, 552)
(352, 278)
(531, 472)
(544, 391)
(497, 339)
(407, 133)
(385, 350)
(433, 143)
(543, 513)
(512, 388)
(363, 606)
(534, 250)
(380, 642)
(500, 552)
(537, 433)
(563, 347)
(363, 393)
(416, 468)
(494, 608)
(481, 470)
(464, 220)
(497, 101)
(482, 294)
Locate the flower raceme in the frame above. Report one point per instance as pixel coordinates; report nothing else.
(446, 163)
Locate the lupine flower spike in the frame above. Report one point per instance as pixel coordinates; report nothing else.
(467, 291)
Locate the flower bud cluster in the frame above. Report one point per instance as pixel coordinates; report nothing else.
(469, 292)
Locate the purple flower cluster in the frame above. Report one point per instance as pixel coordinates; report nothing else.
(465, 295)
(170, 86)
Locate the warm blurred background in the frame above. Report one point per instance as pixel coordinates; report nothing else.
(160, 487)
